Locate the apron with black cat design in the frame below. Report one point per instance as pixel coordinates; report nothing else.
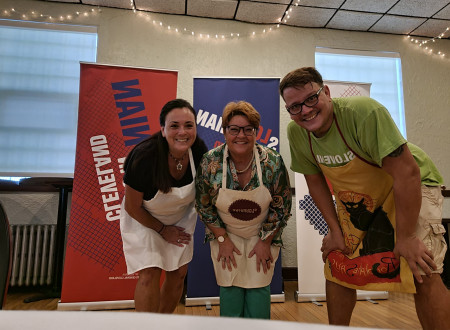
(366, 212)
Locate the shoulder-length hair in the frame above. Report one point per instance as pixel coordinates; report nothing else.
(156, 149)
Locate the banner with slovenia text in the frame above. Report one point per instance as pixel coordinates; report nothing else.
(118, 108)
(210, 97)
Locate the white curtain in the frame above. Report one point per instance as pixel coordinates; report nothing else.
(39, 84)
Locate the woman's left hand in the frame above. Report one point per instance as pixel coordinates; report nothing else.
(263, 255)
(175, 235)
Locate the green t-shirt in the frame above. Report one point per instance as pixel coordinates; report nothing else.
(367, 128)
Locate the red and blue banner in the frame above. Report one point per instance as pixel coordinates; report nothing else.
(118, 108)
(211, 95)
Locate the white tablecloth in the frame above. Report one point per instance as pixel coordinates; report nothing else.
(86, 320)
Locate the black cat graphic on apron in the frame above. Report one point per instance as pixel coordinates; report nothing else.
(366, 212)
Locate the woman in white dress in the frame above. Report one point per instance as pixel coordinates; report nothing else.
(158, 216)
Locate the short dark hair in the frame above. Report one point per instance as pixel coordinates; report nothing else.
(241, 108)
(300, 77)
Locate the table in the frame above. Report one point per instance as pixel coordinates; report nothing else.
(57, 320)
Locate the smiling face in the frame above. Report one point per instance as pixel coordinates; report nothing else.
(316, 119)
(240, 146)
(179, 130)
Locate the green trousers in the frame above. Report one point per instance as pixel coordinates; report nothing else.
(248, 303)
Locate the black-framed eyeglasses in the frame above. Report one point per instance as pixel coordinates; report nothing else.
(311, 101)
(234, 130)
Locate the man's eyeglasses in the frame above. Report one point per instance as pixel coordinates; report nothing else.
(234, 130)
(311, 101)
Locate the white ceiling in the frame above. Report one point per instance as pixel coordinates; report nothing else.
(424, 18)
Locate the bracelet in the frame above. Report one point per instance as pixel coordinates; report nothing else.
(162, 228)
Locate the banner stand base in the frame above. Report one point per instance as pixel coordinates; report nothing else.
(205, 301)
(201, 301)
(360, 295)
(96, 305)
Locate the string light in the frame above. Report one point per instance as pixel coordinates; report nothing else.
(287, 14)
(77, 14)
(12, 13)
(423, 43)
(209, 36)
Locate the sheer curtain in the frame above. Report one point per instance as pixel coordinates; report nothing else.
(381, 69)
(39, 84)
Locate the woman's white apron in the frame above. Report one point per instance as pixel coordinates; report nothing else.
(143, 247)
(243, 212)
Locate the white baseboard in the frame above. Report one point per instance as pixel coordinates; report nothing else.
(360, 295)
(208, 301)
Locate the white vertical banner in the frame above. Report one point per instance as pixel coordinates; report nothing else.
(346, 88)
(311, 227)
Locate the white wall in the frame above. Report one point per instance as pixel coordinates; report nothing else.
(125, 38)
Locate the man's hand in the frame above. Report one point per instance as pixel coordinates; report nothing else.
(416, 254)
(333, 241)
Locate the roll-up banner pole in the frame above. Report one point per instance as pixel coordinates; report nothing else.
(210, 97)
(118, 107)
(311, 227)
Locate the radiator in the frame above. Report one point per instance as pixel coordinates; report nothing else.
(33, 255)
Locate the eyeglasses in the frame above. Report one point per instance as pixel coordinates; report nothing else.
(235, 130)
(311, 101)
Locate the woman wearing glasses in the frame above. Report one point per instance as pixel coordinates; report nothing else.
(243, 196)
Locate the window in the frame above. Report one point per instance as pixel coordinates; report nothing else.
(382, 70)
(39, 85)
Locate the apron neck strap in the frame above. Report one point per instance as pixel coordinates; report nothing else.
(225, 166)
(343, 139)
(191, 159)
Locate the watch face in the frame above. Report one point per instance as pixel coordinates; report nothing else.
(221, 239)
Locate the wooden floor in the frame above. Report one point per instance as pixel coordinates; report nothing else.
(397, 312)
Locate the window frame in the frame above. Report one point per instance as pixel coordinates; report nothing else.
(399, 114)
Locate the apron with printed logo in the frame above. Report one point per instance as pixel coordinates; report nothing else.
(143, 247)
(366, 212)
(243, 212)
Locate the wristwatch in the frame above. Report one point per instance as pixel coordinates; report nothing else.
(221, 238)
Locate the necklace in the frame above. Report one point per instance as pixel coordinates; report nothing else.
(246, 168)
(179, 165)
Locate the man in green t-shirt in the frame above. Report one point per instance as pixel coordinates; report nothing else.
(385, 232)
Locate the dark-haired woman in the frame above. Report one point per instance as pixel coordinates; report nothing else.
(158, 216)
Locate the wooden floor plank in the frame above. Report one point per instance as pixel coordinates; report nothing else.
(397, 312)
